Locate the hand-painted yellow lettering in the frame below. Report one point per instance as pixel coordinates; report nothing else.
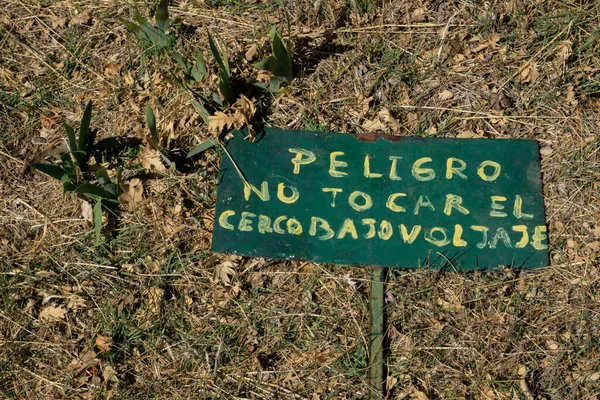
(385, 230)
(371, 223)
(423, 202)
(457, 239)
(452, 170)
(335, 191)
(245, 221)
(303, 157)
(391, 202)
(454, 201)
(494, 175)
(500, 234)
(277, 224)
(422, 174)
(440, 242)
(264, 224)
(368, 201)
(367, 169)
(324, 225)
(518, 209)
(287, 199)
(347, 227)
(539, 235)
(484, 230)
(393, 174)
(262, 194)
(496, 207)
(525, 239)
(409, 237)
(334, 164)
(294, 227)
(223, 219)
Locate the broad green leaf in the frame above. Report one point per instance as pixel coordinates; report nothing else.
(54, 171)
(205, 145)
(154, 36)
(67, 163)
(98, 220)
(200, 63)
(105, 182)
(199, 71)
(279, 3)
(223, 63)
(92, 139)
(202, 111)
(71, 136)
(85, 144)
(133, 28)
(217, 99)
(259, 85)
(106, 144)
(185, 65)
(93, 190)
(68, 187)
(284, 59)
(280, 63)
(226, 87)
(162, 16)
(151, 122)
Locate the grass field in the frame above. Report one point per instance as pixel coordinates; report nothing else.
(149, 312)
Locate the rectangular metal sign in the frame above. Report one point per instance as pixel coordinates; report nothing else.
(405, 202)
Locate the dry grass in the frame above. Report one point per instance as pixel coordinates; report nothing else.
(141, 316)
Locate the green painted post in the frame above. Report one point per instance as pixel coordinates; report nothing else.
(376, 366)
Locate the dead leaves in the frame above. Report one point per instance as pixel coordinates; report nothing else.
(529, 73)
(133, 193)
(239, 114)
(152, 161)
(445, 95)
(224, 272)
(103, 343)
(52, 313)
(383, 122)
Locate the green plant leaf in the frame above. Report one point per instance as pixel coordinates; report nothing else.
(200, 70)
(151, 33)
(284, 58)
(202, 111)
(98, 220)
(151, 122)
(279, 3)
(93, 191)
(105, 182)
(226, 88)
(162, 16)
(200, 63)
(67, 163)
(205, 145)
(223, 63)
(280, 63)
(71, 137)
(134, 28)
(184, 64)
(107, 144)
(73, 144)
(85, 134)
(68, 187)
(51, 170)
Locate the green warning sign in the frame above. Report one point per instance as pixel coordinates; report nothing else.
(404, 202)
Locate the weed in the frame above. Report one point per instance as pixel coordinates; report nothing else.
(74, 172)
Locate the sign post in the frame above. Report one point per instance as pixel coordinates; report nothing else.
(399, 202)
(377, 331)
